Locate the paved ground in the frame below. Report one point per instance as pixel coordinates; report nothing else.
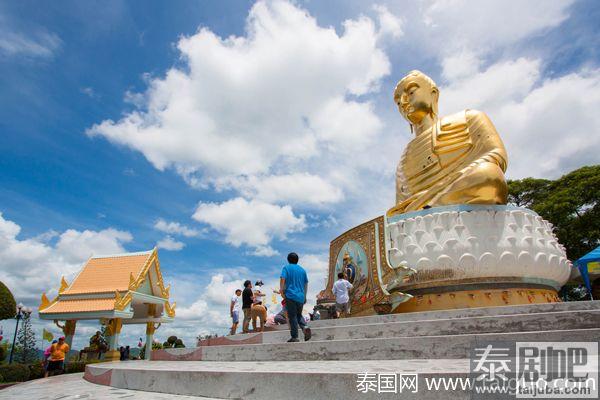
(72, 386)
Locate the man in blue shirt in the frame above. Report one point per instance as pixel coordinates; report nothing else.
(293, 284)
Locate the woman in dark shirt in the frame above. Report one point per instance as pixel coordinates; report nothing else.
(247, 305)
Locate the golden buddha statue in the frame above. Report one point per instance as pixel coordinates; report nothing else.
(457, 159)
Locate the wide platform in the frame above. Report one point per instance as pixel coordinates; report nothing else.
(430, 344)
(272, 379)
(74, 387)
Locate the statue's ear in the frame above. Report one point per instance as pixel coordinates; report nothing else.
(435, 93)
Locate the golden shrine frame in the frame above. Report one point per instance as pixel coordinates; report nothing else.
(370, 236)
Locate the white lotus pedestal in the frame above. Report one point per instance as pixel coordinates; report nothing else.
(475, 256)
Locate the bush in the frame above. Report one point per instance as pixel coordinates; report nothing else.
(4, 350)
(1, 379)
(36, 371)
(173, 341)
(14, 372)
(74, 367)
(8, 305)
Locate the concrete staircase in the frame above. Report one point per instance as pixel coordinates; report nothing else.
(263, 365)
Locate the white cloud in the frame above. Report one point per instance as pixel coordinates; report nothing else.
(499, 84)
(264, 251)
(34, 43)
(8, 229)
(76, 246)
(42, 45)
(345, 125)
(317, 268)
(296, 188)
(487, 25)
(31, 266)
(274, 116)
(464, 34)
(389, 23)
(136, 99)
(193, 312)
(168, 243)
(175, 228)
(253, 223)
(204, 308)
(219, 291)
(89, 91)
(461, 64)
(259, 104)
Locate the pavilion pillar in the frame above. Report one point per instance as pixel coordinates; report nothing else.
(69, 331)
(150, 329)
(113, 329)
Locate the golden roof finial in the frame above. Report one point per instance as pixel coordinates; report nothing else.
(64, 285)
(45, 302)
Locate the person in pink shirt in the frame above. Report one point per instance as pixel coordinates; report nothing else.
(47, 353)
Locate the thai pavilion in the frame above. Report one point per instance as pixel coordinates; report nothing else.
(116, 289)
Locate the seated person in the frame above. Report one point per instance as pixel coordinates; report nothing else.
(281, 316)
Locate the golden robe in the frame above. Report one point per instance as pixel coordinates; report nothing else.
(459, 160)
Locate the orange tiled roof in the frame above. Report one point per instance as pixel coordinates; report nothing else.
(107, 274)
(73, 306)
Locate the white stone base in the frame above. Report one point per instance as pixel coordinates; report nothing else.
(477, 244)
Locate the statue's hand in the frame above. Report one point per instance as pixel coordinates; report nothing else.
(481, 182)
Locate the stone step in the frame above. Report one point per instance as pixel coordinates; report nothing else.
(414, 378)
(502, 323)
(463, 313)
(417, 347)
(276, 379)
(356, 328)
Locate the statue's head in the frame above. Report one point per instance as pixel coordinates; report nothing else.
(416, 96)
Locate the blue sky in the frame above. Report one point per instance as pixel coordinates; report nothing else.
(232, 132)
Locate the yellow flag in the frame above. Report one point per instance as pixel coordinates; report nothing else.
(274, 298)
(47, 336)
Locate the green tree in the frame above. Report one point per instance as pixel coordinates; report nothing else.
(155, 346)
(25, 350)
(527, 192)
(8, 305)
(571, 203)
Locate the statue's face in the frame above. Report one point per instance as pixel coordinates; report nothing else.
(415, 99)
